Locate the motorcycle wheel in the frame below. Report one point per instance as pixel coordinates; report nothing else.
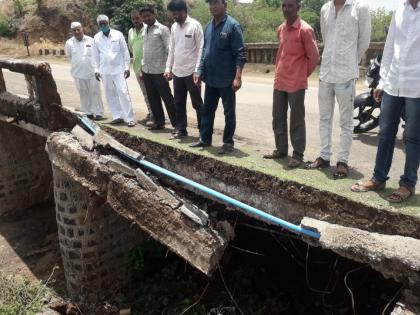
(366, 116)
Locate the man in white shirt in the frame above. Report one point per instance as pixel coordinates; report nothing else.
(345, 29)
(399, 90)
(184, 57)
(111, 60)
(79, 50)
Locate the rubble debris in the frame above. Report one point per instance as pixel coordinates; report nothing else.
(85, 139)
(153, 212)
(194, 213)
(104, 139)
(117, 165)
(145, 181)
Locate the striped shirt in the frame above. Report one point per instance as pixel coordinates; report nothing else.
(346, 38)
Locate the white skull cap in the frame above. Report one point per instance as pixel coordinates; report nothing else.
(102, 17)
(74, 25)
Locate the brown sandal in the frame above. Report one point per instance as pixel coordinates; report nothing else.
(319, 163)
(402, 194)
(342, 171)
(369, 185)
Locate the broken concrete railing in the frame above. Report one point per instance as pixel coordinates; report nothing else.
(105, 180)
(43, 107)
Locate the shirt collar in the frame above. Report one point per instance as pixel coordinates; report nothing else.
(83, 39)
(348, 2)
(408, 4)
(296, 24)
(110, 33)
(141, 30)
(223, 20)
(154, 24)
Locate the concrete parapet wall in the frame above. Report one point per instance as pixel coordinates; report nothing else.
(266, 52)
(25, 172)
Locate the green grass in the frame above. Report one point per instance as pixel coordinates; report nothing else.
(20, 296)
(246, 157)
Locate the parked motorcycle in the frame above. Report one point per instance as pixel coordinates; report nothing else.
(366, 109)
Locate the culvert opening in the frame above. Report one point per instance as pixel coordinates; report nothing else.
(262, 272)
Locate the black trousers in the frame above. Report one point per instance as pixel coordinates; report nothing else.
(157, 90)
(281, 102)
(183, 85)
(211, 100)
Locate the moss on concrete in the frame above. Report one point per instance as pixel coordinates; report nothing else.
(247, 156)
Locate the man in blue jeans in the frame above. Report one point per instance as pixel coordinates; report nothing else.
(221, 65)
(399, 90)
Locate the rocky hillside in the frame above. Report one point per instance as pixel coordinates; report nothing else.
(47, 20)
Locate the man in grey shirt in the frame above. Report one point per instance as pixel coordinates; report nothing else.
(155, 54)
(345, 29)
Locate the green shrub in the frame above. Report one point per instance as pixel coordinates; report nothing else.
(119, 12)
(7, 28)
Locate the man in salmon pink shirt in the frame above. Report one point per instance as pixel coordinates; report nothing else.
(297, 57)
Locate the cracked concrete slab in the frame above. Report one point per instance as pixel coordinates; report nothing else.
(201, 246)
(394, 256)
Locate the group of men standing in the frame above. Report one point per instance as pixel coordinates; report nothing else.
(345, 30)
(187, 55)
(184, 54)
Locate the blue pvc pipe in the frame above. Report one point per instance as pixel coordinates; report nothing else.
(237, 203)
(287, 225)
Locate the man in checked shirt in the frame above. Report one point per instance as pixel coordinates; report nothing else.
(155, 54)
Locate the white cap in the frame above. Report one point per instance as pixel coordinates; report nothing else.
(74, 25)
(102, 17)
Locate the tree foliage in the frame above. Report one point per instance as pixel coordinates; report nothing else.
(119, 11)
(259, 19)
(7, 27)
(381, 19)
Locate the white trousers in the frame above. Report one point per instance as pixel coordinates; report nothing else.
(118, 98)
(328, 93)
(90, 96)
(143, 90)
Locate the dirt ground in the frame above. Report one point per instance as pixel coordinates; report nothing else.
(29, 246)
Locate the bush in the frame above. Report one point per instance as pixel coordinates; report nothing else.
(7, 28)
(259, 20)
(119, 12)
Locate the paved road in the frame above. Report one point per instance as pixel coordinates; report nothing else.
(253, 116)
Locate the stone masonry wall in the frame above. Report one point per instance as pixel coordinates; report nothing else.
(25, 170)
(94, 241)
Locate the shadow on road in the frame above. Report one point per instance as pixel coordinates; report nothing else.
(236, 152)
(371, 138)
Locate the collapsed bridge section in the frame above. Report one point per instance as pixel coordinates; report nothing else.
(105, 205)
